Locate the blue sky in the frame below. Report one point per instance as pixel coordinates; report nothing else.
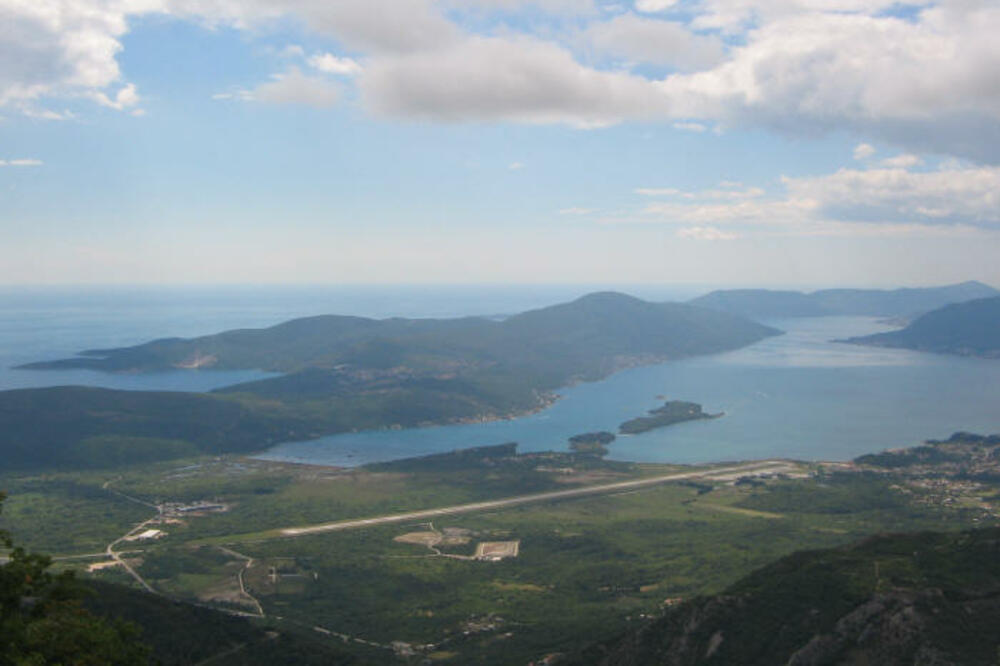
(711, 141)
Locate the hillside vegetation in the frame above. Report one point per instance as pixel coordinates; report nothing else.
(966, 329)
(585, 338)
(349, 373)
(925, 598)
(179, 633)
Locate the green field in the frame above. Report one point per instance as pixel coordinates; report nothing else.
(587, 569)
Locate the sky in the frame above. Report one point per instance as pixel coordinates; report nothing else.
(806, 142)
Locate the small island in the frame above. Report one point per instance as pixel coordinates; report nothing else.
(672, 411)
(592, 443)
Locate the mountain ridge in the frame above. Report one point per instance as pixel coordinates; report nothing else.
(329, 340)
(971, 328)
(902, 302)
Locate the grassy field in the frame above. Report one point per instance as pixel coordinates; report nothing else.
(587, 568)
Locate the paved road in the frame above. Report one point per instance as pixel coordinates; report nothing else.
(110, 552)
(717, 473)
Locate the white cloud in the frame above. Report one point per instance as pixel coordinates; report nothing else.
(904, 161)
(725, 190)
(125, 98)
(926, 83)
(574, 7)
(736, 16)
(373, 26)
(60, 47)
(294, 87)
(493, 79)
(576, 210)
(863, 151)
(654, 41)
(21, 163)
(331, 64)
(654, 5)
(515, 166)
(968, 195)
(880, 201)
(779, 212)
(45, 114)
(706, 234)
(657, 191)
(69, 48)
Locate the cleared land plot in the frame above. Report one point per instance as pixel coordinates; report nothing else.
(497, 550)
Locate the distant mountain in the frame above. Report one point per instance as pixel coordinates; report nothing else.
(765, 304)
(351, 373)
(913, 599)
(501, 362)
(761, 303)
(598, 327)
(968, 329)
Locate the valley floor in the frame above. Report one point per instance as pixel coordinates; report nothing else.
(493, 561)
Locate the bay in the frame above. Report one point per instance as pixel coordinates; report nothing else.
(798, 395)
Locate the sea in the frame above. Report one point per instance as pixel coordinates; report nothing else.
(799, 395)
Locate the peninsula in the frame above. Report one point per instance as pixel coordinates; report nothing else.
(966, 329)
(344, 374)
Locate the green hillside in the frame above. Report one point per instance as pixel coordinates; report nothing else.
(348, 373)
(967, 329)
(584, 337)
(180, 633)
(925, 598)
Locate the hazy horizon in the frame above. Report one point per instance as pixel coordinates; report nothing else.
(609, 285)
(495, 141)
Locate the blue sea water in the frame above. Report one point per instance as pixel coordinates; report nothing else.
(796, 395)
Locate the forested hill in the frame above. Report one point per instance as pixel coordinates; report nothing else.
(348, 374)
(592, 330)
(180, 634)
(968, 329)
(908, 599)
(764, 303)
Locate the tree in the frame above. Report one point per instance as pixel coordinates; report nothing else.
(43, 622)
